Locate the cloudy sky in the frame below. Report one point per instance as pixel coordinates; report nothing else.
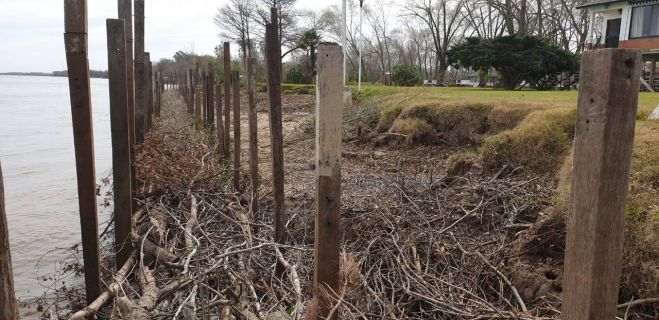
(31, 31)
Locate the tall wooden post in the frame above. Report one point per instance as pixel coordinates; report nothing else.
(8, 302)
(253, 134)
(227, 97)
(606, 117)
(126, 13)
(220, 124)
(158, 91)
(235, 80)
(121, 169)
(204, 104)
(149, 91)
(273, 52)
(329, 111)
(190, 79)
(140, 74)
(211, 96)
(76, 45)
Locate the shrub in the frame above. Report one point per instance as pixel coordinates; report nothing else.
(539, 144)
(406, 76)
(297, 76)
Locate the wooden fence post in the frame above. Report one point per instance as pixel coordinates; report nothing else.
(120, 139)
(158, 91)
(8, 302)
(273, 52)
(227, 97)
(329, 116)
(220, 123)
(149, 91)
(211, 96)
(76, 45)
(197, 104)
(190, 92)
(253, 134)
(606, 117)
(126, 13)
(140, 74)
(235, 80)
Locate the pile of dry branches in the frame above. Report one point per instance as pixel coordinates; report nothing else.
(415, 247)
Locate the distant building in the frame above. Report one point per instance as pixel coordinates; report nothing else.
(472, 79)
(627, 24)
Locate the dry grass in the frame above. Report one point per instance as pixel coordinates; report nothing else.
(534, 131)
(539, 143)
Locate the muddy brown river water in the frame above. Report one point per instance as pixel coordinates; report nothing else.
(38, 163)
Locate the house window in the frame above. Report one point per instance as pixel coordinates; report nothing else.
(645, 21)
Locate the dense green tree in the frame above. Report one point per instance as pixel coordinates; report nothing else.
(518, 58)
(406, 76)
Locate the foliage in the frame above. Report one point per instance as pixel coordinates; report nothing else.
(406, 76)
(296, 75)
(519, 58)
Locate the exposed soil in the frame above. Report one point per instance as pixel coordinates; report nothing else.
(425, 237)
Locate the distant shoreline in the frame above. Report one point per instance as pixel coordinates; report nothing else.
(93, 73)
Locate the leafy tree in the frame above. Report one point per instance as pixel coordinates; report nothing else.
(518, 58)
(406, 76)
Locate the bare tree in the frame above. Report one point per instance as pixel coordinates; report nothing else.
(234, 20)
(444, 19)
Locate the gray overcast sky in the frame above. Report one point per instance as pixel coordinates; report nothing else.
(31, 31)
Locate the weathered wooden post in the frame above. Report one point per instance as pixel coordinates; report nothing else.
(198, 102)
(253, 134)
(190, 79)
(235, 80)
(211, 96)
(149, 91)
(227, 97)
(76, 45)
(220, 124)
(121, 169)
(606, 118)
(9, 309)
(158, 91)
(273, 52)
(140, 74)
(329, 115)
(125, 8)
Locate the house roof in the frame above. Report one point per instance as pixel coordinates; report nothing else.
(597, 3)
(606, 2)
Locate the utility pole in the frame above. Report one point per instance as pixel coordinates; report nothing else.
(359, 44)
(344, 39)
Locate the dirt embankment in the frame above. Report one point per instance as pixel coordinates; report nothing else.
(430, 230)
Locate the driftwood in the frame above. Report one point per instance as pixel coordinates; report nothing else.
(111, 292)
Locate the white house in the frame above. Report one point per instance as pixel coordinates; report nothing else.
(473, 79)
(627, 24)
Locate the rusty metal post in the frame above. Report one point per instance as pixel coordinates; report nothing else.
(76, 45)
(121, 168)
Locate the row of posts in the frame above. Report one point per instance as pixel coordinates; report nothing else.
(603, 143)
